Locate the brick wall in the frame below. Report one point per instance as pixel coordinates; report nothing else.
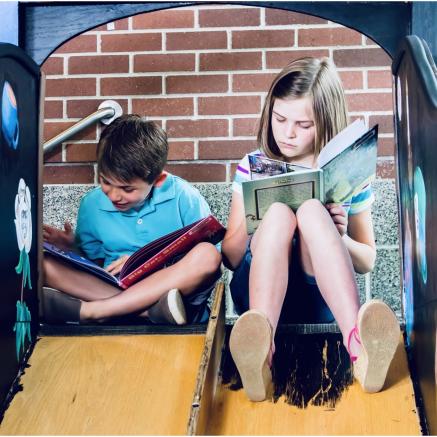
(202, 72)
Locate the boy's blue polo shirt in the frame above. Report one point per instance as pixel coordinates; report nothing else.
(104, 232)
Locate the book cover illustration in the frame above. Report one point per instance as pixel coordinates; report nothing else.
(150, 257)
(345, 166)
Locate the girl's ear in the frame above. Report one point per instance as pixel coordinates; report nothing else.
(160, 179)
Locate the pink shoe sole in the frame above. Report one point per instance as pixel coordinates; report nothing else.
(379, 333)
(250, 343)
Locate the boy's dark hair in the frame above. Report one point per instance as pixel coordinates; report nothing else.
(131, 147)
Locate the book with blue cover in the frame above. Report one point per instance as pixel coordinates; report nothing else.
(345, 166)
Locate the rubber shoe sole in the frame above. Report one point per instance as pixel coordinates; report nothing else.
(379, 333)
(250, 343)
(169, 309)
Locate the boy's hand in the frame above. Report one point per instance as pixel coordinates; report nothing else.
(116, 266)
(339, 217)
(64, 239)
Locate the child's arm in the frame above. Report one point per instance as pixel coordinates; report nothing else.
(234, 243)
(64, 239)
(360, 241)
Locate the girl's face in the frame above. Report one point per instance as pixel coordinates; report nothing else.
(294, 130)
(125, 196)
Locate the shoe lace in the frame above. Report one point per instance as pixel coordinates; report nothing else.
(354, 334)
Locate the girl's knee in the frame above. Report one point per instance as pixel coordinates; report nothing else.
(309, 211)
(280, 213)
(49, 266)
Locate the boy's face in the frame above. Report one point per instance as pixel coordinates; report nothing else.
(125, 195)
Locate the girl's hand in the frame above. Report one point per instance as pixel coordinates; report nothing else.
(64, 239)
(116, 266)
(339, 217)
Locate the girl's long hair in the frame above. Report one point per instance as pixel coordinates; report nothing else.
(306, 77)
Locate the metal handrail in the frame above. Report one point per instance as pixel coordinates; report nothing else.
(107, 112)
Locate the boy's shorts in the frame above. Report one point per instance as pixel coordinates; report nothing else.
(303, 302)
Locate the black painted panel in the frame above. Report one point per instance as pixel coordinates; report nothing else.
(416, 129)
(45, 26)
(19, 106)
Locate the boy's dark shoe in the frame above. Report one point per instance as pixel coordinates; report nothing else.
(58, 307)
(250, 343)
(379, 333)
(169, 309)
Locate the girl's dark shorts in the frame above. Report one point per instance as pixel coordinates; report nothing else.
(303, 302)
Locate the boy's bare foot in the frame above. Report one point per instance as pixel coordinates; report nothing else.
(169, 309)
(378, 331)
(250, 345)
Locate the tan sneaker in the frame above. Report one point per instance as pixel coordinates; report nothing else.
(250, 342)
(169, 309)
(378, 330)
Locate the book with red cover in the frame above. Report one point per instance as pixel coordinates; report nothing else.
(150, 257)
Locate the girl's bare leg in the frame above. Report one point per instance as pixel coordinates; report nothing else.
(271, 254)
(324, 255)
(197, 267)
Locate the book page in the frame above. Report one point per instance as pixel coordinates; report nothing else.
(341, 141)
(350, 171)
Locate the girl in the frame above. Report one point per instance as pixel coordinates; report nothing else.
(299, 266)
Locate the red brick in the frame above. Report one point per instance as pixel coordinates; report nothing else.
(351, 79)
(180, 150)
(386, 147)
(369, 41)
(379, 79)
(98, 64)
(226, 61)
(79, 44)
(225, 149)
(51, 129)
(197, 128)
(199, 172)
(245, 127)
(53, 109)
(281, 17)
(131, 42)
(165, 62)
(68, 174)
(281, 58)
(252, 82)
(54, 155)
(385, 123)
(166, 106)
(133, 85)
(85, 107)
(197, 84)
(196, 40)
(53, 65)
(70, 87)
(164, 19)
(361, 58)
(262, 38)
(385, 169)
(229, 17)
(328, 37)
(369, 102)
(229, 105)
(122, 24)
(83, 152)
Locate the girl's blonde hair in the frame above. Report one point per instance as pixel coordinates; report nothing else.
(306, 77)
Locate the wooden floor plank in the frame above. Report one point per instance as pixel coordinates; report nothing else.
(390, 412)
(110, 385)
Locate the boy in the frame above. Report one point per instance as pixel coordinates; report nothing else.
(136, 203)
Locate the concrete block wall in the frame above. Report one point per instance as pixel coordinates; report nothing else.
(202, 73)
